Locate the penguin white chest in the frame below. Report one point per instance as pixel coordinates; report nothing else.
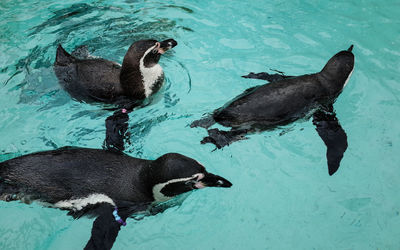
(348, 78)
(150, 77)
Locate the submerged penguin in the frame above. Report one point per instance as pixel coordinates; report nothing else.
(101, 80)
(111, 186)
(284, 100)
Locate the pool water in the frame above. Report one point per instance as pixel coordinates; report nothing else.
(282, 196)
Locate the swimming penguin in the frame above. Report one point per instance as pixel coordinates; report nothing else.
(101, 80)
(91, 79)
(285, 100)
(111, 186)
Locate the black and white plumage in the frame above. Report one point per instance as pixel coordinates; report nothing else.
(101, 183)
(284, 100)
(91, 79)
(100, 80)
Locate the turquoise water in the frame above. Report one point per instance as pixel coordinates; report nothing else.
(282, 197)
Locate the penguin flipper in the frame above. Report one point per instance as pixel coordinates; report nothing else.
(223, 138)
(333, 135)
(105, 229)
(266, 76)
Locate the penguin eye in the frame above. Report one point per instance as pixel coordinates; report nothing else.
(190, 183)
(154, 51)
(193, 180)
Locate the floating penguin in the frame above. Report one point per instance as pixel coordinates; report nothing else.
(95, 182)
(285, 100)
(91, 79)
(100, 80)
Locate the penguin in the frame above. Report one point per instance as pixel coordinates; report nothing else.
(89, 79)
(100, 80)
(284, 100)
(108, 185)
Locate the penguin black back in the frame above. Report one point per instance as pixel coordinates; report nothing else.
(109, 185)
(284, 100)
(69, 173)
(101, 80)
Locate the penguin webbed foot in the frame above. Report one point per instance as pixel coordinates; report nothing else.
(116, 127)
(105, 229)
(109, 220)
(223, 138)
(268, 77)
(204, 122)
(333, 135)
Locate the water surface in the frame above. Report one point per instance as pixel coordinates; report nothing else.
(282, 197)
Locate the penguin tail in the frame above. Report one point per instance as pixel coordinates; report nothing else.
(223, 138)
(63, 57)
(204, 122)
(350, 48)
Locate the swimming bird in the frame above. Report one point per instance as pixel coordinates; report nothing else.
(90, 79)
(94, 182)
(284, 100)
(100, 80)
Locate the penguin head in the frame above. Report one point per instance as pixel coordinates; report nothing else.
(140, 70)
(340, 67)
(174, 174)
(148, 51)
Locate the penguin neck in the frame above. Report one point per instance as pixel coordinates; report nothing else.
(157, 183)
(152, 76)
(334, 83)
(138, 79)
(152, 181)
(143, 181)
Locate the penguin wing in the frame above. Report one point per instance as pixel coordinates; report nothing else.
(88, 79)
(333, 135)
(98, 77)
(268, 77)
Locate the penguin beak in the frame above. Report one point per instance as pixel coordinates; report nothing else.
(212, 180)
(165, 45)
